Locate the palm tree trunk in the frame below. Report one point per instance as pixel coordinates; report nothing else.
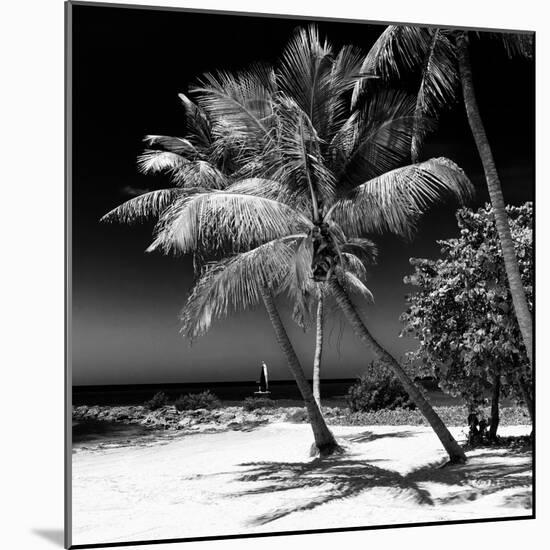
(324, 439)
(318, 351)
(511, 265)
(454, 450)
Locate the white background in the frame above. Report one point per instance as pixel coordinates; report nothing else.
(31, 306)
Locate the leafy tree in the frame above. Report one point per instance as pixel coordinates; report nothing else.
(462, 312)
(441, 59)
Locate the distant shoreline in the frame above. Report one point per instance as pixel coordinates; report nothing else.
(237, 418)
(107, 387)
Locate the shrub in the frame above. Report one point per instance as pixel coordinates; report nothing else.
(377, 389)
(160, 399)
(253, 403)
(299, 415)
(194, 401)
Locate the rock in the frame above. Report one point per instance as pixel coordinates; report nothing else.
(200, 412)
(225, 418)
(81, 411)
(92, 412)
(184, 422)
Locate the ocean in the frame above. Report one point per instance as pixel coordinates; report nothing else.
(333, 392)
(229, 392)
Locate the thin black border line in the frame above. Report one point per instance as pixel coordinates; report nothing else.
(68, 436)
(301, 532)
(291, 16)
(68, 284)
(534, 268)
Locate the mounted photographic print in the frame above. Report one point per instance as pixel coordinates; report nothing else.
(299, 274)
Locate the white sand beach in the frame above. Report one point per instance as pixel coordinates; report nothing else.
(264, 481)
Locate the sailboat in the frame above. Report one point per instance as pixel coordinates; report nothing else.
(263, 388)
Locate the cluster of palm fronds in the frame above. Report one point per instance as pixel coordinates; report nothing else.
(285, 172)
(269, 155)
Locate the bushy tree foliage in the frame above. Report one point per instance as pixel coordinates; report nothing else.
(462, 312)
(376, 389)
(194, 401)
(160, 399)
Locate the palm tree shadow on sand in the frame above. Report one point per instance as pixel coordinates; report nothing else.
(341, 477)
(368, 437)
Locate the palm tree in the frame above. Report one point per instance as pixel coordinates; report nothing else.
(308, 172)
(241, 281)
(442, 59)
(195, 165)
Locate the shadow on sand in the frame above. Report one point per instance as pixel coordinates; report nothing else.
(368, 437)
(487, 472)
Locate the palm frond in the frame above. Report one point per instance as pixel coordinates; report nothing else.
(180, 146)
(297, 161)
(304, 74)
(399, 48)
(354, 284)
(394, 201)
(438, 85)
(377, 139)
(224, 221)
(233, 284)
(353, 264)
(361, 248)
(439, 76)
(298, 284)
(238, 101)
(153, 161)
(199, 173)
(143, 207)
(515, 44)
(197, 124)
(270, 189)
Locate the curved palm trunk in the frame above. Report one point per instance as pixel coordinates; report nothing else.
(324, 440)
(318, 351)
(454, 450)
(517, 291)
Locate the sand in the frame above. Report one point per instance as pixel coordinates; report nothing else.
(264, 481)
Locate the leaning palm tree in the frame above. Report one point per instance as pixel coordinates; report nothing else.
(441, 59)
(307, 170)
(205, 161)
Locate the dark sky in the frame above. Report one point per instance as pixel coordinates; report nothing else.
(128, 67)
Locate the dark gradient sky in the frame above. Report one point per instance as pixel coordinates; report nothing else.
(129, 66)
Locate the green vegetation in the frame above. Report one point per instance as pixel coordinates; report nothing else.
(254, 403)
(462, 313)
(160, 399)
(195, 401)
(377, 389)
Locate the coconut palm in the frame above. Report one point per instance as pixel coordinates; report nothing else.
(441, 58)
(196, 164)
(308, 174)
